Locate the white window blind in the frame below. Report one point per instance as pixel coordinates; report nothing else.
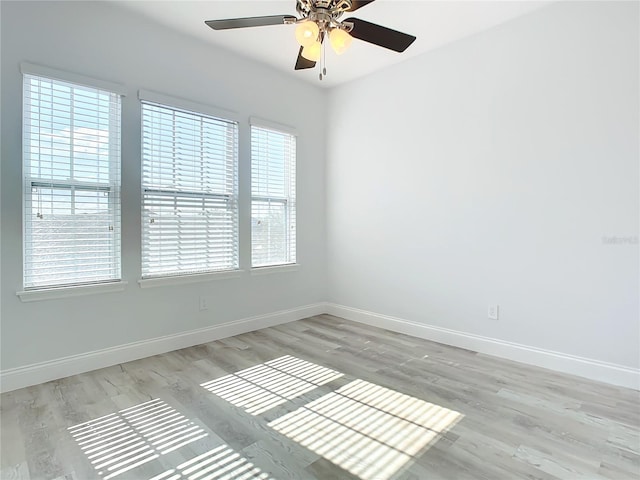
(273, 197)
(71, 142)
(189, 183)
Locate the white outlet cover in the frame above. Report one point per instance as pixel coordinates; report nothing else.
(493, 312)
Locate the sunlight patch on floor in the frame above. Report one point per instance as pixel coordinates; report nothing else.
(262, 387)
(366, 429)
(122, 441)
(220, 463)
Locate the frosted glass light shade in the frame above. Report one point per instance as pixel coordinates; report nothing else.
(340, 40)
(312, 52)
(307, 33)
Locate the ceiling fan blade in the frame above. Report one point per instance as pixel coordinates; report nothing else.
(356, 4)
(249, 22)
(302, 63)
(379, 35)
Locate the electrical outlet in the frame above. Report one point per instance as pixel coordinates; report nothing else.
(493, 312)
(203, 304)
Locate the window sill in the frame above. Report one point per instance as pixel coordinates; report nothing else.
(192, 278)
(267, 270)
(71, 291)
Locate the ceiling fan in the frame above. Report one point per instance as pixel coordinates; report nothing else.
(319, 19)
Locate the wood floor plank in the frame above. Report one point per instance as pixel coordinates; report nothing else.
(321, 398)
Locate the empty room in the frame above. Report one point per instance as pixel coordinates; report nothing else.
(319, 239)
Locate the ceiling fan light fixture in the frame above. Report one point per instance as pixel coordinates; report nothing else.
(307, 33)
(316, 20)
(312, 52)
(340, 40)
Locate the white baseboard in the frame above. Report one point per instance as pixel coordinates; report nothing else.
(29, 375)
(584, 367)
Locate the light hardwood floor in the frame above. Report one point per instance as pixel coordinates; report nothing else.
(321, 398)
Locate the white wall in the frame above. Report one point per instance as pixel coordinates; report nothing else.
(102, 41)
(489, 171)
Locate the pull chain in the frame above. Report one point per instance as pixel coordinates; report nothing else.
(322, 69)
(323, 61)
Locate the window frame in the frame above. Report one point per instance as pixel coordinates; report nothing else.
(286, 201)
(232, 199)
(112, 187)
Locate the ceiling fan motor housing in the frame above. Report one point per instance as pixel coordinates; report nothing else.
(326, 11)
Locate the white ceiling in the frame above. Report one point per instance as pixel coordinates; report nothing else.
(435, 23)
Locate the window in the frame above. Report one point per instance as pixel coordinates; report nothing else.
(189, 187)
(71, 141)
(273, 197)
